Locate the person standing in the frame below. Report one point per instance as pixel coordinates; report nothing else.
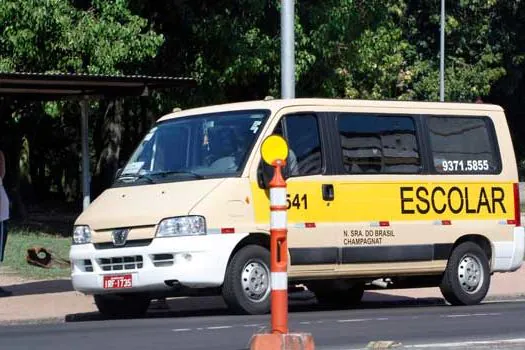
(4, 215)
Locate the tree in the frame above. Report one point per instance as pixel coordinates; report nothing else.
(101, 37)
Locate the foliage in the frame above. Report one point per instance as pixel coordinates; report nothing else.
(53, 35)
(374, 49)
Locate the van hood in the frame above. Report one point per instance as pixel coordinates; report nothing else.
(144, 205)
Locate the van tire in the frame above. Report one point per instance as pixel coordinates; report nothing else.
(455, 286)
(122, 305)
(241, 296)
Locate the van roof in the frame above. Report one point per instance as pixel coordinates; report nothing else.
(276, 104)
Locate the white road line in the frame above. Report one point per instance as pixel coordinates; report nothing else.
(382, 319)
(219, 327)
(251, 325)
(181, 330)
(457, 315)
(471, 315)
(488, 314)
(468, 343)
(355, 320)
(305, 322)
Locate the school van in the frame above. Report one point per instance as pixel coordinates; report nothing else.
(381, 194)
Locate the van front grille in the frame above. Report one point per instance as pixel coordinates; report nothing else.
(129, 244)
(88, 267)
(161, 260)
(121, 263)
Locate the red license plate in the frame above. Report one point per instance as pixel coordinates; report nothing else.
(117, 282)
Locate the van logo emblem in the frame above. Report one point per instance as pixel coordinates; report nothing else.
(119, 237)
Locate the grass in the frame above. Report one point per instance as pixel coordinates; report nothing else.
(20, 240)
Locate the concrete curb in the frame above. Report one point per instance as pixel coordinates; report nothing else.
(36, 321)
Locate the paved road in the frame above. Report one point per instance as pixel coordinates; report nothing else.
(412, 326)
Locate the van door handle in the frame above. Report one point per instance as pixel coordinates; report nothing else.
(328, 192)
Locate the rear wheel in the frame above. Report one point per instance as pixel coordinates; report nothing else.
(122, 305)
(466, 280)
(246, 286)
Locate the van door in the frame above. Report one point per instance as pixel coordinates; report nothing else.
(311, 241)
(378, 155)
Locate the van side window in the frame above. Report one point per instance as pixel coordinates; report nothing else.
(463, 145)
(302, 135)
(379, 144)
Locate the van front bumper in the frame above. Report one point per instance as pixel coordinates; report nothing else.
(508, 255)
(193, 261)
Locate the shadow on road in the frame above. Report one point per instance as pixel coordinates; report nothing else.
(40, 287)
(299, 302)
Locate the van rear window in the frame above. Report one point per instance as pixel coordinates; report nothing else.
(379, 144)
(462, 145)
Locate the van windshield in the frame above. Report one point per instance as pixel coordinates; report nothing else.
(196, 147)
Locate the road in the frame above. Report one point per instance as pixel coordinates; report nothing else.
(213, 328)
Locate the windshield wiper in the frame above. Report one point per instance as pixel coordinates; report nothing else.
(166, 173)
(145, 176)
(149, 176)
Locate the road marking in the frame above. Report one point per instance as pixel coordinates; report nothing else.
(219, 327)
(488, 314)
(355, 320)
(468, 343)
(352, 320)
(471, 315)
(457, 315)
(181, 330)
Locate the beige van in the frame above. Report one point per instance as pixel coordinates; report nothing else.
(381, 194)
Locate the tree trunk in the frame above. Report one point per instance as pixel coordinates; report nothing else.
(108, 162)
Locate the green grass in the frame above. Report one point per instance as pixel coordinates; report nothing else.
(17, 244)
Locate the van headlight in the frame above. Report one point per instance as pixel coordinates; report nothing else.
(81, 235)
(182, 226)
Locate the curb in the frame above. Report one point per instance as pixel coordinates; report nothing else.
(35, 321)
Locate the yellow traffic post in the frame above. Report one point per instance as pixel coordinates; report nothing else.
(274, 152)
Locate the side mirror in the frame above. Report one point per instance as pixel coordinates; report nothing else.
(265, 174)
(117, 174)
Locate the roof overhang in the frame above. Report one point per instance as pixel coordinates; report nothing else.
(54, 86)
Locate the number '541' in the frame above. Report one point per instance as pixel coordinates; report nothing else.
(298, 201)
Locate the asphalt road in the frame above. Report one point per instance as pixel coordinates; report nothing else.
(206, 327)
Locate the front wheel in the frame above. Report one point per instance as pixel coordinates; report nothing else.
(122, 305)
(246, 288)
(466, 280)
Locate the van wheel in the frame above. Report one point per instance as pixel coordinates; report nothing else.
(466, 280)
(337, 297)
(122, 305)
(246, 288)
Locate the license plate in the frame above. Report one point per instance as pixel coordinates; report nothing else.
(117, 282)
